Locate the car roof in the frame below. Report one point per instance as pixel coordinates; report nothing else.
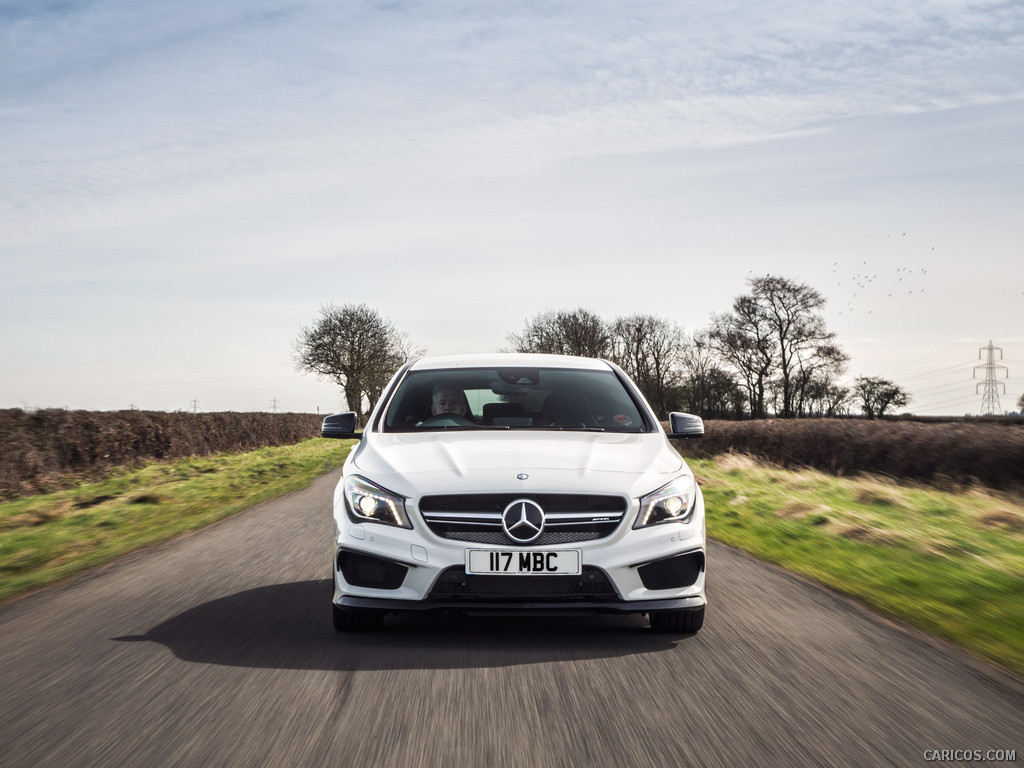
(509, 360)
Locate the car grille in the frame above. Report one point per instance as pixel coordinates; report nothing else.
(455, 584)
(476, 518)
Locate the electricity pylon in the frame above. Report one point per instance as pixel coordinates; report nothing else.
(990, 400)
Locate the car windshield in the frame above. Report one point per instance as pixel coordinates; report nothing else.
(513, 398)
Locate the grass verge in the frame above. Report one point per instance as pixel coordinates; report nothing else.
(951, 564)
(46, 538)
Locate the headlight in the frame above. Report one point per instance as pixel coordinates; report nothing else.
(672, 503)
(369, 503)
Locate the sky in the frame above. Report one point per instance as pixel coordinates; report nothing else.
(184, 184)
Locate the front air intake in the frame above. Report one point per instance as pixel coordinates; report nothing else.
(372, 572)
(672, 572)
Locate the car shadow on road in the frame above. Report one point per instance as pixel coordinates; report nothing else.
(288, 626)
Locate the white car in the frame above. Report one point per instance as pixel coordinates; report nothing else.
(517, 484)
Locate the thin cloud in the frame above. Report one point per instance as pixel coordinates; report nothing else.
(185, 148)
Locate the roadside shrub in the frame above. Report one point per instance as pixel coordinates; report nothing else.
(49, 449)
(946, 454)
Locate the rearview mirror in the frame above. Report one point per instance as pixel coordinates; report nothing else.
(340, 425)
(685, 425)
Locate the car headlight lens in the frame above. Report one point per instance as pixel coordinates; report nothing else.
(672, 503)
(369, 503)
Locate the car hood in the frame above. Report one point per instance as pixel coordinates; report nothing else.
(492, 461)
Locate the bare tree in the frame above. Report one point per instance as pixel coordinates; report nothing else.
(649, 348)
(579, 332)
(716, 394)
(707, 389)
(816, 375)
(877, 395)
(825, 397)
(743, 339)
(791, 310)
(357, 348)
(776, 338)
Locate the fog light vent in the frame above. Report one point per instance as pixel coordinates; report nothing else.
(672, 572)
(362, 570)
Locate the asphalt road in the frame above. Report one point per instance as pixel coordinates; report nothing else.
(217, 649)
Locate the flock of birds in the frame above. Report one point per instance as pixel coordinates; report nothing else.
(870, 284)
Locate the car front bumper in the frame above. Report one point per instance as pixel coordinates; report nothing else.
(400, 570)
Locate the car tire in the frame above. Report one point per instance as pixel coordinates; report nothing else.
(678, 622)
(356, 621)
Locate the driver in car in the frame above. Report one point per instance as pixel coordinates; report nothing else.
(448, 399)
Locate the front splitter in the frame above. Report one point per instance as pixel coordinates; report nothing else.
(519, 608)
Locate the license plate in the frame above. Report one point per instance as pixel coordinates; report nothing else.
(524, 563)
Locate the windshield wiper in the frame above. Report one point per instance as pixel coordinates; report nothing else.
(456, 428)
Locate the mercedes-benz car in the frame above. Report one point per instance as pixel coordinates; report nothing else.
(518, 484)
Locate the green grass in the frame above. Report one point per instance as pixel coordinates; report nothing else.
(46, 538)
(951, 564)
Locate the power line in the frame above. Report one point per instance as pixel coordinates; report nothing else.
(926, 374)
(961, 395)
(951, 385)
(956, 400)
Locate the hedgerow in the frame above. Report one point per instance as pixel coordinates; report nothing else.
(49, 449)
(961, 453)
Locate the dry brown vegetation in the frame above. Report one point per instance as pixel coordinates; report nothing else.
(947, 454)
(50, 449)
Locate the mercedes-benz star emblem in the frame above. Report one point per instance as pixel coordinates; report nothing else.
(523, 521)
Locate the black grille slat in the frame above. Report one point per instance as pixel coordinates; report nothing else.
(455, 584)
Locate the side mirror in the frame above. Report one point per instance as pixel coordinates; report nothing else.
(340, 425)
(685, 425)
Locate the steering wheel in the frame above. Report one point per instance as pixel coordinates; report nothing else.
(447, 420)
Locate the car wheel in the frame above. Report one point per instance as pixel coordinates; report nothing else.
(356, 621)
(678, 622)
